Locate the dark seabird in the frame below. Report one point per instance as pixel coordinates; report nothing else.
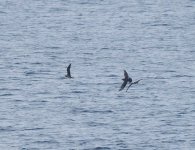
(125, 80)
(68, 72)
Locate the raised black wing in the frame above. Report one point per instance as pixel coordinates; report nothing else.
(68, 71)
(123, 85)
(126, 75)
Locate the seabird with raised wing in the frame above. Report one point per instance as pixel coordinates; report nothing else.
(68, 72)
(125, 80)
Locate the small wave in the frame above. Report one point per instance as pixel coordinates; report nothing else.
(6, 94)
(101, 148)
(44, 72)
(112, 75)
(29, 73)
(182, 76)
(78, 92)
(52, 47)
(9, 89)
(104, 48)
(162, 24)
(94, 124)
(170, 71)
(43, 92)
(98, 111)
(7, 129)
(98, 148)
(46, 141)
(17, 100)
(32, 129)
(36, 63)
(81, 110)
(2, 12)
(88, 53)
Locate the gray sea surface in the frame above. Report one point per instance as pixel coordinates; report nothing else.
(153, 40)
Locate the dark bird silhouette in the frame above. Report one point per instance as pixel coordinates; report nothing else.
(68, 72)
(125, 80)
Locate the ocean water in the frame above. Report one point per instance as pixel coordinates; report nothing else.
(152, 40)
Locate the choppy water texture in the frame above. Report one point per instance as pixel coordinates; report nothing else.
(152, 40)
